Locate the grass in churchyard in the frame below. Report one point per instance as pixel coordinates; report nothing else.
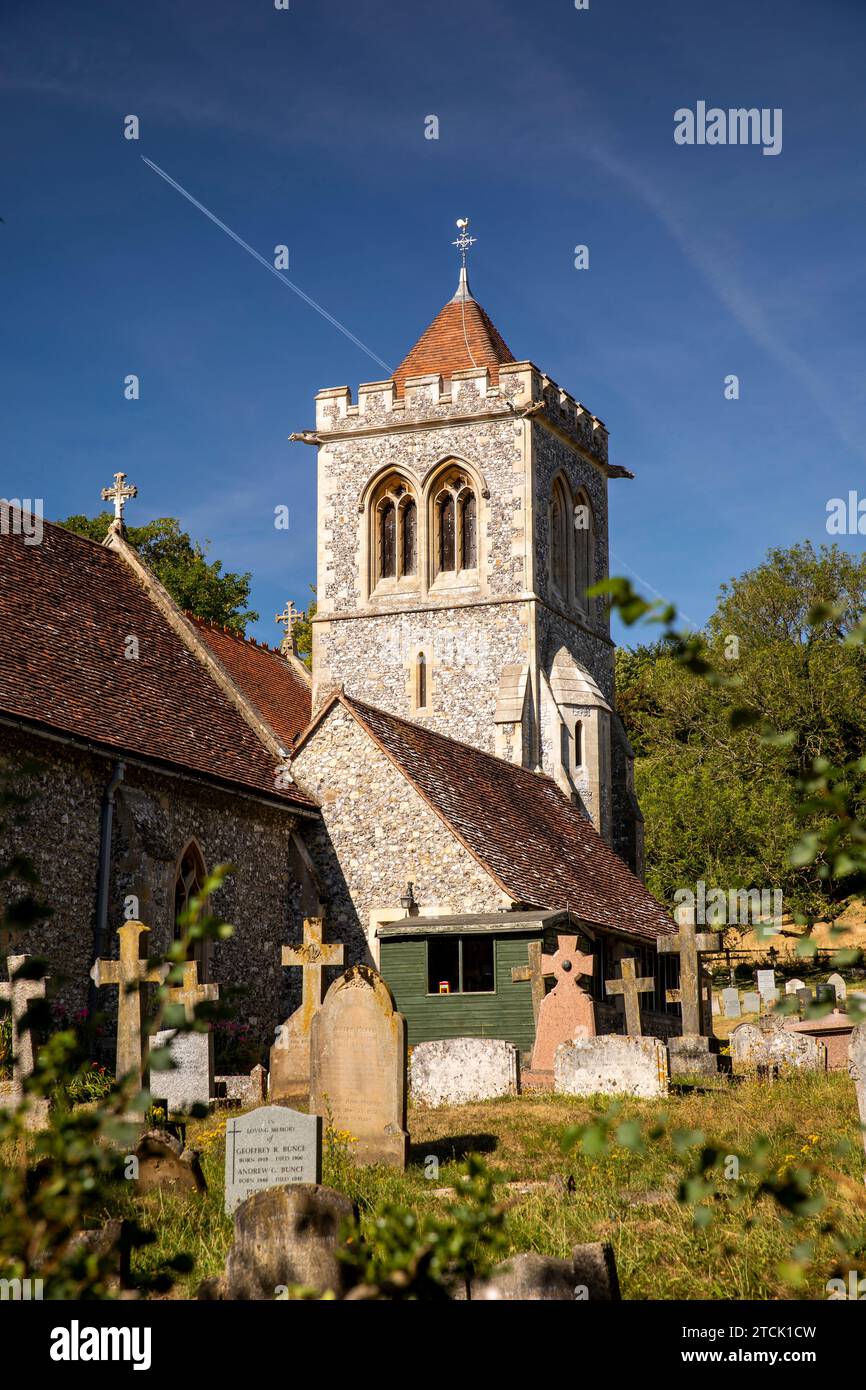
(626, 1198)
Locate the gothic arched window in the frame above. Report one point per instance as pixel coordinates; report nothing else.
(584, 546)
(393, 533)
(559, 538)
(189, 879)
(454, 521)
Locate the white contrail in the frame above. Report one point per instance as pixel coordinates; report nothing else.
(267, 265)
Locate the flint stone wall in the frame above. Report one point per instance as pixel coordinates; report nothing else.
(155, 817)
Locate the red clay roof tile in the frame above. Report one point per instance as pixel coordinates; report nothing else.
(66, 609)
(263, 676)
(460, 332)
(518, 823)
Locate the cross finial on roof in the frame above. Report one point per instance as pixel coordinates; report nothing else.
(463, 243)
(288, 618)
(119, 495)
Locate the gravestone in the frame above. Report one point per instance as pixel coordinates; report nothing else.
(270, 1147)
(163, 1161)
(589, 1276)
(130, 974)
(792, 986)
(611, 1065)
(825, 994)
(691, 1056)
(717, 1005)
(689, 945)
(839, 985)
(805, 998)
(358, 1066)
(630, 988)
(767, 984)
(283, 1237)
(20, 994)
(752, 1003)
(567, 1011)
(191, 1081)
(768, 1046)
(290, 1055)
(731, 1001)
(857, 1069)
(454, 1071)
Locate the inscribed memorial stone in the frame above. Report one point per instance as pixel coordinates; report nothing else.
(358, 1066)
(271, 1147)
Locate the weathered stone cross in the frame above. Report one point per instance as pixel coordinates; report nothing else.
(130, 974)
(688, 945)
(20, 994)
(119, 495)
(191, 992)
(312, 956)
(631, 988)
(288, 618)
(533, 973)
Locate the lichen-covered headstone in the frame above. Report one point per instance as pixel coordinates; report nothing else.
(611, 1065)
(454, 1071)
(358, 1067)
(752, 1003)
(767, 1046)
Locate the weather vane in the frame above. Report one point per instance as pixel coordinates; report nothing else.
(464, 240)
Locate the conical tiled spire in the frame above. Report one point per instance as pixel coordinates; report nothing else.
(461, 335)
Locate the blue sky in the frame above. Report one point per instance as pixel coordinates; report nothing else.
(306, 127)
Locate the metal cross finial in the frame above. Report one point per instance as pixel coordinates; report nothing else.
(463, 243)
(119, 494)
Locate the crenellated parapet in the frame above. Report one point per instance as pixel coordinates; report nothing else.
(522, 391)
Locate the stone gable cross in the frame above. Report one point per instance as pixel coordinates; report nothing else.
(631, 988)
(688, 945)
(312, 956)
(20, 994)
(130, 974)
(190, 992)
(119, 495)
(288, 618)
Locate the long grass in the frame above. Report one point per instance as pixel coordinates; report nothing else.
(628, 1198)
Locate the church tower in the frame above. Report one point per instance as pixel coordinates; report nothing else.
(462, 515)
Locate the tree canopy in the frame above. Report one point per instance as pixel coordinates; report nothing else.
(721, 801)
(180, 563)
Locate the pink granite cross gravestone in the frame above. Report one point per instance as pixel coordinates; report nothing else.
(567, 1012)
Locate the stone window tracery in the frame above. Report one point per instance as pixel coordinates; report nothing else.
(455, 525)
(394, 539)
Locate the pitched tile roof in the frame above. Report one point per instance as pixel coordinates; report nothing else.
(66, 608)
(264, 677)
(518, 825)
(443, 346)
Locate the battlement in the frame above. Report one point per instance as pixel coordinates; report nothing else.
(522, 391)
